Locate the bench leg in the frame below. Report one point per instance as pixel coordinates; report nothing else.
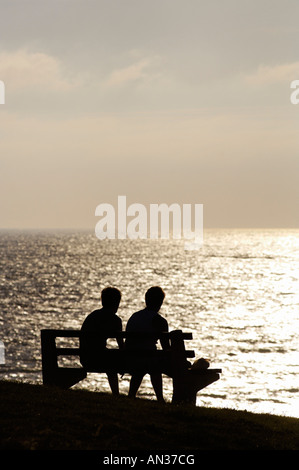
(64, 378)
(186, 387)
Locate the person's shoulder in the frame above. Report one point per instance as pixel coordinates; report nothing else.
(160, 322)
(136, 314)
(133, 318)
(140, 311)
(118, 320)
(96, 312)
(91, 318)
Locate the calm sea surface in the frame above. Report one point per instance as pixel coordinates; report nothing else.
(238, 295)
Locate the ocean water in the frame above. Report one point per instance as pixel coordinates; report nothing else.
(238, 295)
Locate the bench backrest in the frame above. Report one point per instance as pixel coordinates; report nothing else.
(50, 351)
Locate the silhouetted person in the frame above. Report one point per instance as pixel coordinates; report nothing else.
(147, 320)
(102, 323)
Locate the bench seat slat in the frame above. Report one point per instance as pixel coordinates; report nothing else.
(76, 352)
(68, 351)
(123, 334)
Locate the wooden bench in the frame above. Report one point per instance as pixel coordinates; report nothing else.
(172, 362)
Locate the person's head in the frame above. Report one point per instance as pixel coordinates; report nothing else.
(110, 297)
(154, 298)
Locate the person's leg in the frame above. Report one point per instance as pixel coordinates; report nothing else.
(113, 382)
(135, 384)
(157, 384)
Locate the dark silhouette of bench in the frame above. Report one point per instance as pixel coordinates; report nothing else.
(172, 362)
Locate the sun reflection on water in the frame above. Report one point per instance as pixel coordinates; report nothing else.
(238, 295)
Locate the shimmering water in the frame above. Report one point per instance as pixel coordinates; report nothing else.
(238, 295)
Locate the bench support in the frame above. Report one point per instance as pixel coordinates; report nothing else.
(52, 374)
(187, 382)
(192, 382)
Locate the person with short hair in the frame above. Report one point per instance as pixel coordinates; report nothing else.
(102, 323)
(147, 320)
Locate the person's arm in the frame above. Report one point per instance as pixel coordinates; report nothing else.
(163, 328)
(120, 342)
(119, 339)
(165, 343)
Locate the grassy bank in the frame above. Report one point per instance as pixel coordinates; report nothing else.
(39, 418)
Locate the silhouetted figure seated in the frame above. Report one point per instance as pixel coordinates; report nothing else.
(147, 320)
(102, 323)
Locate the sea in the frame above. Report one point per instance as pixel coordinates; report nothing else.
(237, 294)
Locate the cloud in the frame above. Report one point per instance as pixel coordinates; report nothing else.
(266, 75)
(22, 69)
(141, 70)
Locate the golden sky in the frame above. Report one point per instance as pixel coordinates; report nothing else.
(165, 101)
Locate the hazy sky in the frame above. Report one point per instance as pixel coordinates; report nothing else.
(184, 101)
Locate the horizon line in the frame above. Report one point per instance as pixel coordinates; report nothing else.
(86, 229)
